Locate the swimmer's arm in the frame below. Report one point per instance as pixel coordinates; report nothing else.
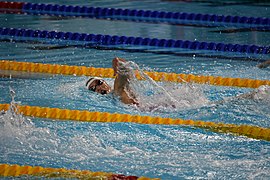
(121, 86)
(264, 64)
(125, 98)
(121, 83)
(252, 95)
(122, 78)
(249, 95)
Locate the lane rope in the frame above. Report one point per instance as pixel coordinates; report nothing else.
(136, 15)
(108, 73)
(87, 116)
(15, 170)
(129, 41)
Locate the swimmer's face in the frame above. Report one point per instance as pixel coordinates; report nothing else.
(100, 86)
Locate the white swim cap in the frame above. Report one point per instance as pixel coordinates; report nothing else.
(91, 80)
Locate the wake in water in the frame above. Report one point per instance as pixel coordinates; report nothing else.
(156, 97)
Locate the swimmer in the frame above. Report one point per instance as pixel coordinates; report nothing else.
(122, 88)
(121, 84)
(265, 64)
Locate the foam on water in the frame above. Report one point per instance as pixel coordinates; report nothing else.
(15, 119)
(19, 135)
(17, 129)
(171, 152)
(154, 96)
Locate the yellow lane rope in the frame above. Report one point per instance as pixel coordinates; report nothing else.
(17, 170)
(87, 116)
(108, 73)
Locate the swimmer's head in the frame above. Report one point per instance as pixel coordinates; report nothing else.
(98, 85)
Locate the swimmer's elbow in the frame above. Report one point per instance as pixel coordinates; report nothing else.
(125, 98)
(130, 101)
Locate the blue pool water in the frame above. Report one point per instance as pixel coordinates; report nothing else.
(167, 152)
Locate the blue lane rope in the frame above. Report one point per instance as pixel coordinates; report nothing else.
(100, 39)
(145, 15)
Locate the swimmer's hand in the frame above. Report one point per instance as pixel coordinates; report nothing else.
(264, 64)
(116, 64)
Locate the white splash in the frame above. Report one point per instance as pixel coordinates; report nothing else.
(155, 96)
(12, 118)
(18, 133)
